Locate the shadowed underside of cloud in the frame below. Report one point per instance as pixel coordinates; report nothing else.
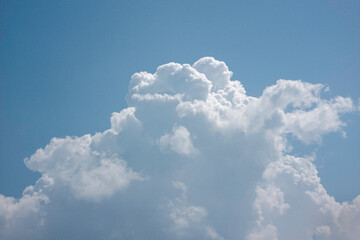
(192, 157)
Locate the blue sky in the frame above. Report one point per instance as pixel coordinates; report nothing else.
(65, 66)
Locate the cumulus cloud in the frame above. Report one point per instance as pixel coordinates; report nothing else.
(189, 221)
(311, 207)
(178, 141)
(124, 120)
(182, 214)
(191, 157)
(26, 213)
(77, 164)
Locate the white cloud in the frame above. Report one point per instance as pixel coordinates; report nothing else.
(19, 217)
(310, 125)
(269, 200)
(81, 165)
(189, 220)
(269, 232)
(323, 230)
(311, 209)
(181, 213)
(212, 234)
(124, 119)
(241, 181)
(171, 79)
(104, 180)
(216, 71)
(178, 141)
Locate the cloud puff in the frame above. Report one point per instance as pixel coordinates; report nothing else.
(26, 213)
(77, 164)
(191, 157)
(178, 141)
(307, 203)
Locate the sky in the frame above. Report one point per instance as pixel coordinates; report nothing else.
(77, 68)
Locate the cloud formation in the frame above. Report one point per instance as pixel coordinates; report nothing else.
(192, 157)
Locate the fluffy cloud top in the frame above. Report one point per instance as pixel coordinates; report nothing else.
(192, 157)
